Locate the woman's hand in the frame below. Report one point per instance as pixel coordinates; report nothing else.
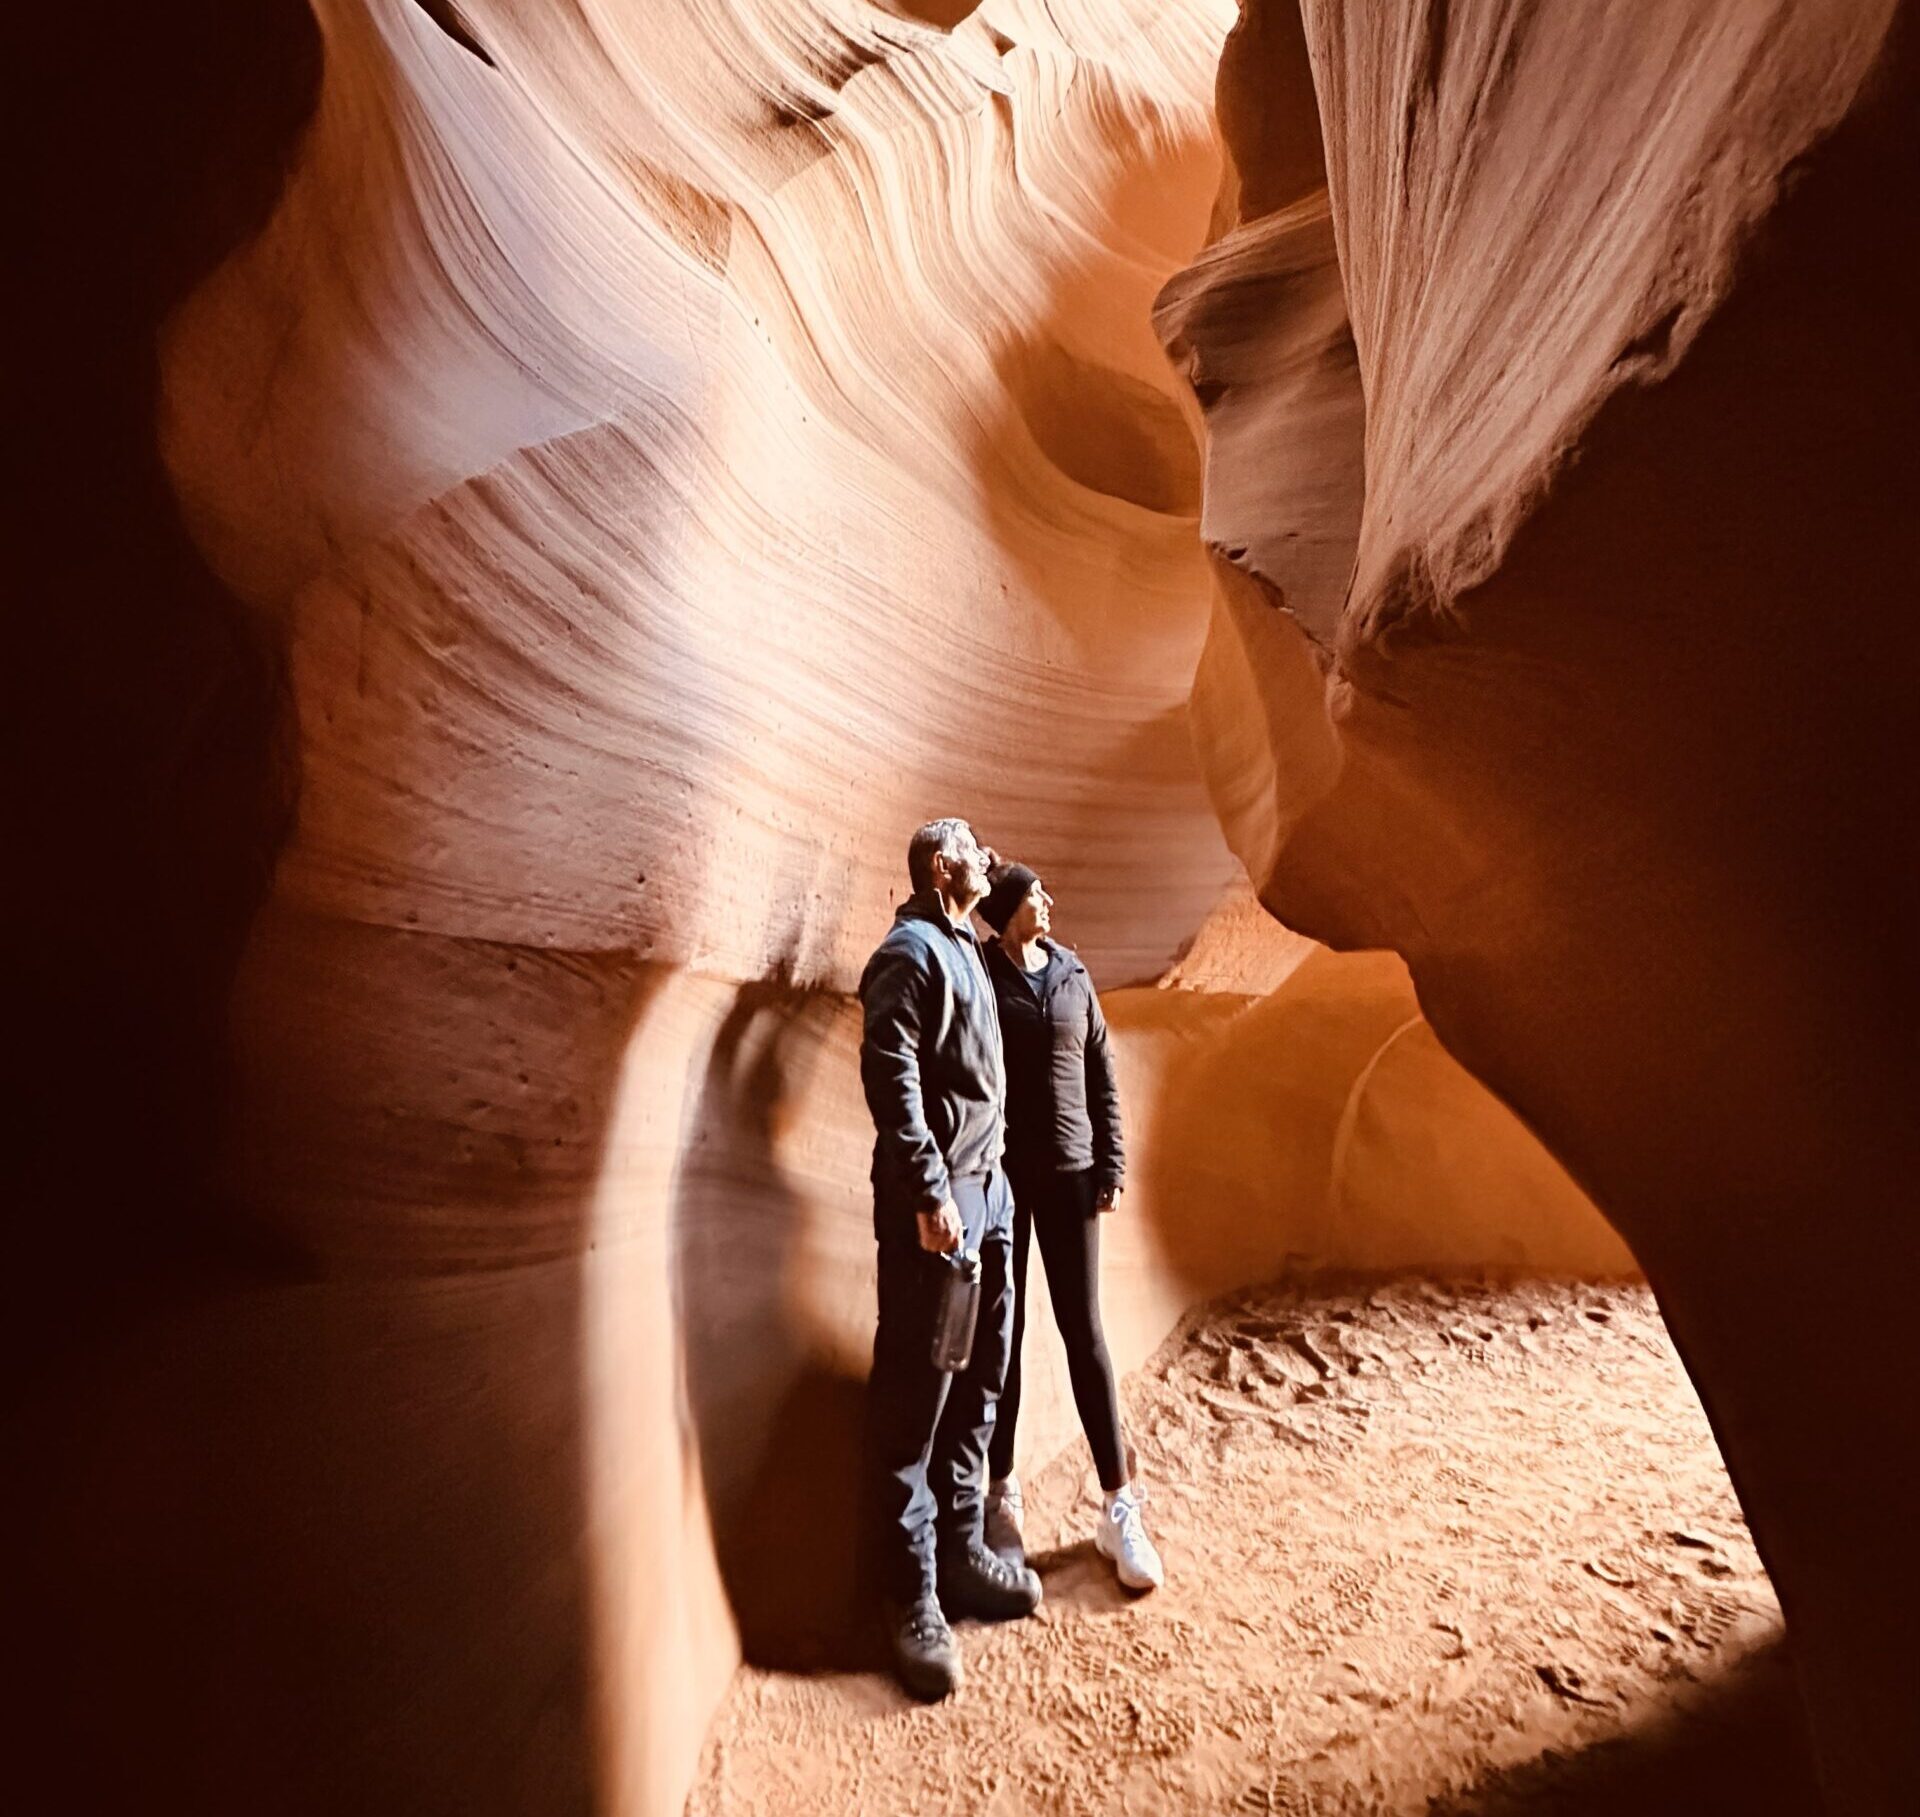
(1108, 1199)
(941, 1231)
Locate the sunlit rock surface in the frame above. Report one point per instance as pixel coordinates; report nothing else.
(1580, 670)
(641, 461)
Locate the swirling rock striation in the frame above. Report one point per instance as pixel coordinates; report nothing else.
(1584, 665)
(623, 469)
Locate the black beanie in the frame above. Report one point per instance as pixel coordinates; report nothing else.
(1009, 891)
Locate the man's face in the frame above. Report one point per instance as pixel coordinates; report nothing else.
(967, 870)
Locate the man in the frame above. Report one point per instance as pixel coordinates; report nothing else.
(935, 1082)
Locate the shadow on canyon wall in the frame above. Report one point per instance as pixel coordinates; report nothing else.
(778, 1425)
(155, 790)
(297, 1527)
(155, 748)
(1640, 811)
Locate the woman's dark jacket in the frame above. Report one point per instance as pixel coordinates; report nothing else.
(1063, 1106)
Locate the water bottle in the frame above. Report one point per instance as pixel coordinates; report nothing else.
(956, 1308)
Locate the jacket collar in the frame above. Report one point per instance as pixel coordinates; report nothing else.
(925, 906)
(1000, 956)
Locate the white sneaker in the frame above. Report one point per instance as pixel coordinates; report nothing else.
(1005, 1513)
(1122, 1537)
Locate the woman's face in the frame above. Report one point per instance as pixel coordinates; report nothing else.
(1033, 917)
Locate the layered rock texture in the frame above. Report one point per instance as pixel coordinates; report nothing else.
(586, 480)
(1580, 670)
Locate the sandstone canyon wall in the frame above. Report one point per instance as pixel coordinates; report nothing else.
(1584, 678)
(623, 467)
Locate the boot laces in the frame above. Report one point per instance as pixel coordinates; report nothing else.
(992, 1566)
(926, 1623)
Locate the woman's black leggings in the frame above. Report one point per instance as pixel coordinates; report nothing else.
(1058, 1207)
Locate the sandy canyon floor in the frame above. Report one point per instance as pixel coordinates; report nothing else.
(1429, 1548)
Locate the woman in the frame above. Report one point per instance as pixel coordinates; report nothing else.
(1065, 1164)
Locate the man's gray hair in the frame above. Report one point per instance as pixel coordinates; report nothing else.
(937, 839)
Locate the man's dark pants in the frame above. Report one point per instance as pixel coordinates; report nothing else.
(928, 1431)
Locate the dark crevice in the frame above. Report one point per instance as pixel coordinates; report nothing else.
(447, 16)
(1436, 45)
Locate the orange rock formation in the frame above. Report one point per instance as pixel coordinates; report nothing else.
(1589, 687)
(549, 497)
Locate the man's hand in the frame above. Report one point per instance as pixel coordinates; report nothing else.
(1108, 1199)
(941, 1231)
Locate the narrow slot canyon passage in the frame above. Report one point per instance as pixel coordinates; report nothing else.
(1398, 512)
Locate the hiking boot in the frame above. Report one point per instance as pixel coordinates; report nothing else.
(983, 1584)
(921, 1649)
(1122, 1537)
(1005, 1512)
